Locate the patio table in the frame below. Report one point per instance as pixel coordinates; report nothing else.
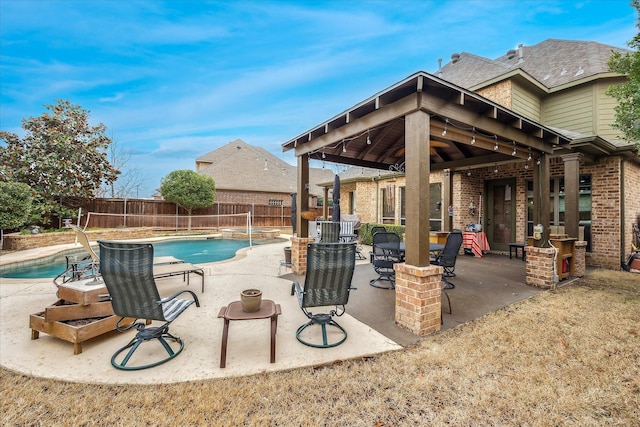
(434, 248)
(268, 310)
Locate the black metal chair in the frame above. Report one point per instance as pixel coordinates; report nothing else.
(377, 229)
(385, 253)
(327, 283)
(447, 258)
(127, 271)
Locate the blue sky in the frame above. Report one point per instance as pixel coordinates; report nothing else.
(173, 80)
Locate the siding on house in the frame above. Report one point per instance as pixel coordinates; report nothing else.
(605, 111)
(571, 109)
(526, 103)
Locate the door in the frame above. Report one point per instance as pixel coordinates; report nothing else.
(501, 213)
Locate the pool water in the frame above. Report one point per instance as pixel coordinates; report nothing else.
(197, 251)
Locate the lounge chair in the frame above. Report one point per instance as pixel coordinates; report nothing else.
(165, 266)
(128, 273)
(327, 283)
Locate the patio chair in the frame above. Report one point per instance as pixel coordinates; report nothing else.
(87, 267)
(385, 253)
(127, 270)
(327, 283)
(348, 234)
(377, 229)
(329, 232)
(313, 230)
(447, 258)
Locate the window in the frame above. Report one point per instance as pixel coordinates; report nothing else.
(556, 214)
(388, 196)
(403, 210)
(435, 209)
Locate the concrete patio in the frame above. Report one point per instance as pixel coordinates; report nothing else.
(482, 284)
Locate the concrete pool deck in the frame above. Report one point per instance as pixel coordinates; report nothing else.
(200, 328)
(483, 285)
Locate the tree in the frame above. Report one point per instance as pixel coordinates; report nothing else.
(627, 112)
(61, 157)
(15, 205)
(130, 178)
(188, 189)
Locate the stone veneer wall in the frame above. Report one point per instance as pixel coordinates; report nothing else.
(19, 242)
(499, 93)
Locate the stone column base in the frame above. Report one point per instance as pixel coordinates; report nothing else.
(540, 267)
(299, 254)
(418, 296)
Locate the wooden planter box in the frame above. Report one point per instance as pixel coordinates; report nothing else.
(80, 314)
(63, 310)
(75, 331)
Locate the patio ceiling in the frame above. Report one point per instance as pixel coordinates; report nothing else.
(466, 129)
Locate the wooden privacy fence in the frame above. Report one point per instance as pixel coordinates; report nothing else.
(160, 214)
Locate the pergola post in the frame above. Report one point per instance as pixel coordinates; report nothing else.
(417, 171)
(298, 244)
(571, 193)
(447, 185)
(418, 292)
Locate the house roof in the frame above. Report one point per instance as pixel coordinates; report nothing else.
(550, 63)
(239, 166)
(465, 129)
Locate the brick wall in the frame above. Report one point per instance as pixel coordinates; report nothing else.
(631, 197)
(605, 213)
(367, 201)
(540, 267)
(607, 197)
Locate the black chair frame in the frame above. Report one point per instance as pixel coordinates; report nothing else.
(327, 283)
(127, 270)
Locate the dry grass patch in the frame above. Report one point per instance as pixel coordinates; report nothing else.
(567, 357)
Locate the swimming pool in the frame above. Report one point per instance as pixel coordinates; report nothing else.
(195, 251)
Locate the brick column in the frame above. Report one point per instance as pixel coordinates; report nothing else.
(579, 259)
(418, 296)
(299, 254)
(540, 267)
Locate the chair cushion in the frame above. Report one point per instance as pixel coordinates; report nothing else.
(174, 307)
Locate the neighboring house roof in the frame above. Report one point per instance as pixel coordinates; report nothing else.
(239, 166)
(551, 63)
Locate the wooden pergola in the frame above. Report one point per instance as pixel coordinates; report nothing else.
(423, 124)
